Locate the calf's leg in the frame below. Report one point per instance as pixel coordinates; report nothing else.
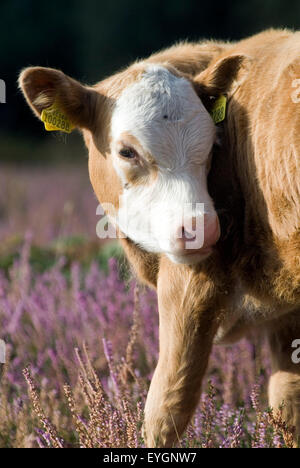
(188, 323)
(284, 385)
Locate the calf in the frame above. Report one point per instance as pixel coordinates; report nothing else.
(151, 139)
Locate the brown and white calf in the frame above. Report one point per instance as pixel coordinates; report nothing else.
(151, 139)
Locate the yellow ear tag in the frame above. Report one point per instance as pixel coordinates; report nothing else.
(55, 120)
(218, 111)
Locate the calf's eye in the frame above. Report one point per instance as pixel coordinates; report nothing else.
(127, 153)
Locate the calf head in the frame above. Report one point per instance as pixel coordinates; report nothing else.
(150, 140)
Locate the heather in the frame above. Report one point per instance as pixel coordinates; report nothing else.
(82, 336)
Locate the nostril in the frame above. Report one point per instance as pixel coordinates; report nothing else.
(189, 230)
(187, 235)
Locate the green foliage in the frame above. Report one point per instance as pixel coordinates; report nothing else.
(71, 248)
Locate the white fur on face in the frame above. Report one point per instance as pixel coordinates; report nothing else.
(164, 114)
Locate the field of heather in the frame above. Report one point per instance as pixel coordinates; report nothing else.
(82, 337)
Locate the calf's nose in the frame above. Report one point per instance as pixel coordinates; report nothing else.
(199, 233)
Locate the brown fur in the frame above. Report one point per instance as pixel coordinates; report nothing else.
(252, 280)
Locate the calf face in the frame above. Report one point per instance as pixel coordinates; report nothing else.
(161, 140)
(150, 140)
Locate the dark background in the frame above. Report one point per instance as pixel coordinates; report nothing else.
(91, 39)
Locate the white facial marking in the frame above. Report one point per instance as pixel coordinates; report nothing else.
(164, 114)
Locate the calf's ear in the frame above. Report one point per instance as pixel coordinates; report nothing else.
(42, 86)
(223, 76)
